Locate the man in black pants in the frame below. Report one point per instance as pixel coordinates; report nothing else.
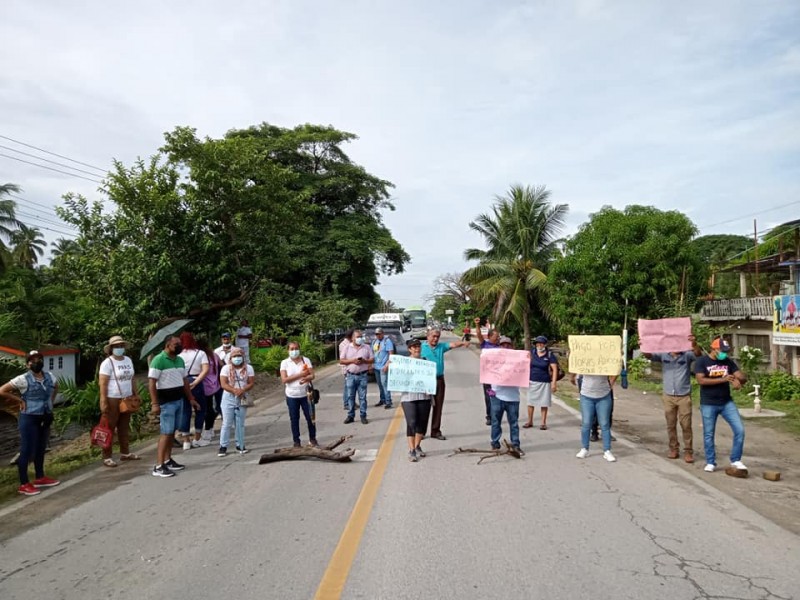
(489, 342)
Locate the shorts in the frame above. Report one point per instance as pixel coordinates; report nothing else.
(170, 416)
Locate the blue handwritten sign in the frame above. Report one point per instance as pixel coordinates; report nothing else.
(411, 375)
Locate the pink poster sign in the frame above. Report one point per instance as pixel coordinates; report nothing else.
(665, 335)
(505, 367)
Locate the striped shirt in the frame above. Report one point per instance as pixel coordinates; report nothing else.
(169, 374)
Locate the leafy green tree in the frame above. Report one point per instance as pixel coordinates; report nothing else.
(521, 235)
(8, 221)
(716, 251)
(443, 303)
(642, 254)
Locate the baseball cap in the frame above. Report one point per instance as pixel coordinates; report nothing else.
(540, 339)
(505, 340)
(413, 342)
(226, 334)
(34, 353)
(721, 345)
(379, 330)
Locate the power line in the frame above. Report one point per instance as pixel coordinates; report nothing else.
(35, 204)
(64, 233)
(47, 160)
(43, 220)
(50, 168)
(5, 137)
(752, 215)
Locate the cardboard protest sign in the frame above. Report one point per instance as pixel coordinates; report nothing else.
(506, 367)
(665, 335)
(595, 354)
(411, 375)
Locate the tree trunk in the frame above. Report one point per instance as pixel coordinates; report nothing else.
(526, 328)
(324, 453)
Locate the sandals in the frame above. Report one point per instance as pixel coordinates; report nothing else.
(543, 427)
(527, 425)
(130, 456)
(109, 462)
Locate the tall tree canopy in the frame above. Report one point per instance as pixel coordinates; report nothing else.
(640, 253)
(520, 234)
(208, 225)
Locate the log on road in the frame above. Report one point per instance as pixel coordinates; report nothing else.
(509, 450)
(323, 453)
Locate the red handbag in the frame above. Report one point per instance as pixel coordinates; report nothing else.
(102, 436)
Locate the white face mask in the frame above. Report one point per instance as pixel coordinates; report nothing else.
(118, 351)
(294, 353)
(226, 345)
(359, 341)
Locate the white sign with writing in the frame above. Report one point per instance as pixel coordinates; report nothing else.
(411, 375)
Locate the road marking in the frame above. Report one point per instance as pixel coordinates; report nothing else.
(364, 456)
(335, 577)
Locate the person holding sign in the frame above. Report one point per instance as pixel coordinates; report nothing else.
(716, 373)
(676, 368)
(433, 350)
(543, 381)
(505, 399)
(491, 341)
(595, 398)
(416, 408)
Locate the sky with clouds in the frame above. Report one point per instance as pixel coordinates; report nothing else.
(693, 106)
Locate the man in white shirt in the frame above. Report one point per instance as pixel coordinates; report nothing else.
(224, 351)
(243, 336)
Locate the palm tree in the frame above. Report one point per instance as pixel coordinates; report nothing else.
(8, 221)
(63, 247)
(28, 246)
(521, 234)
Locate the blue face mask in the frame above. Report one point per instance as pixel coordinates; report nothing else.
(118, 351)
(722, 355)
(359, 341)
(237, 360)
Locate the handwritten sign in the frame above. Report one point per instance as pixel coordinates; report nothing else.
(411, 375)
(595, 354)
(665, 335)
(506, 367)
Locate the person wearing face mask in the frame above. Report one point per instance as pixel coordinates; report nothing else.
(224, 350)
(356, 358)
(168, 386)
(716, 373)
(296, 373)
(34, 391)
(116, 382)
(543, 381)
(237, 378)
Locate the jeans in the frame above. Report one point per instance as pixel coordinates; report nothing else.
(34, 431)
(600, 408)
(356, 383)
(730, 413)
(382, 379)
(170, 416)
(295, 405)
(511, 409)
(232, 415)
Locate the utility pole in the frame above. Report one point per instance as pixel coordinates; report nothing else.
(755, 243)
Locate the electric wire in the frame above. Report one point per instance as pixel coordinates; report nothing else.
(5, 137)
(47, 160)
(50, 168)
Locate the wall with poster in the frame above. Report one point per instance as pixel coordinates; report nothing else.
(786, 320)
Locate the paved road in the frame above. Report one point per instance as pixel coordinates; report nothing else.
(545, 526)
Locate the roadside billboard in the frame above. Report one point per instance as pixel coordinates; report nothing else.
(786, 320)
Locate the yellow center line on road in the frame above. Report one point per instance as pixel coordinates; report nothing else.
(335, 577)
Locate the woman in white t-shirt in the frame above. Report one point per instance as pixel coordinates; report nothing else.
(296, 373)
(196, 362)
(237, 379)
(116, 382)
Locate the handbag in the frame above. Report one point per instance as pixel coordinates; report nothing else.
(102, 436)
(131, 404)
(312, 393)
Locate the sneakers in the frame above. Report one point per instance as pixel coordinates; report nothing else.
(739, 465)
(377, 404)
(364, 420)
(609, 457)
(412, 456)
(388, 406)
(173, 466)
(162, 471)
(709, 468)
(208, 435)
(420, 452)
(28, 489)
(201, 443)
(45, 482)
(187, 445)
(349, 420)
(582, 453)
(242, 450)
(223, 451)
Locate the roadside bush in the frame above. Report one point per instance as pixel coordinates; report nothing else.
(269, 360)
(82, 406)
(780, 386)
(638, 368)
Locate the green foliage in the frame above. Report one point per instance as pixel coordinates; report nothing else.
(444, 303)
(780, 386)
(750, 359)
(642, 254)
(638, 368)
(268, 360)
(82, 405)
(521, 237)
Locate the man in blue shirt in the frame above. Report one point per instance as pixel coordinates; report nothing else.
(382, 348)
(677, 396)
(490, 341)
(433, 350)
